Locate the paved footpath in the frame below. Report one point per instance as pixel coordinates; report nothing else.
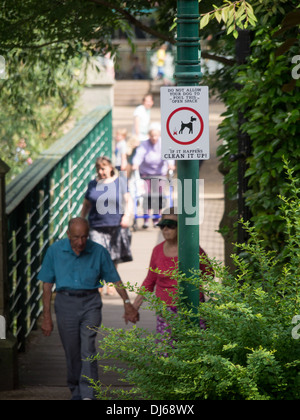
(42, 367)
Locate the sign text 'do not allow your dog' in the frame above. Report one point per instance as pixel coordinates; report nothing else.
(185, 123)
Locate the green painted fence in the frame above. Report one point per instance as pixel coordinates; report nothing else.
(39, 204)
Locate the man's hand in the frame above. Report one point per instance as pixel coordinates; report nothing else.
(47, 326)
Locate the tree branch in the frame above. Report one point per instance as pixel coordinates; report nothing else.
(218, 58)
(131, 19)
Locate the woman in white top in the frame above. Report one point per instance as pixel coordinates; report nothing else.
(142, 117)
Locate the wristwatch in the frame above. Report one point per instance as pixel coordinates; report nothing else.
(127, 301)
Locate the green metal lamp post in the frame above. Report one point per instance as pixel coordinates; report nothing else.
(188, 73)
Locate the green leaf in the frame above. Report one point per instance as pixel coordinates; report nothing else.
(230, 29)
(235, 34)
(225, 14)
(204, 21)
(218, 15)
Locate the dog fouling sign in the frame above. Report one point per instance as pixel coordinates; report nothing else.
(185, 123)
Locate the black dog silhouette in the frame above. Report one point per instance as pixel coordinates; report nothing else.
(188, 125)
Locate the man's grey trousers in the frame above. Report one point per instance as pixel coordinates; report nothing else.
(78, 316)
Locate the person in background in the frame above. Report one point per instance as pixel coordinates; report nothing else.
(22, 155)
(77, 266)
(142, 118)
(109, 206)
(161, 58)
(164, 260)
(149, 162)
(137, 71)
(121, 150)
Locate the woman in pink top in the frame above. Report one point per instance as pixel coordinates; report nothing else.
(164, 258)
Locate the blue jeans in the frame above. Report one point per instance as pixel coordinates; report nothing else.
(77, 320)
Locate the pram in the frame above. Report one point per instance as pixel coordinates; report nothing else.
(150, 193)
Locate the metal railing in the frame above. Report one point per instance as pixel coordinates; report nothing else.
(39, 204)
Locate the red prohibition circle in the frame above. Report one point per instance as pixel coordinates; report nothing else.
(201, 124)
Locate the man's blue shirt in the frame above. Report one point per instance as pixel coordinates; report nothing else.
(77, 272)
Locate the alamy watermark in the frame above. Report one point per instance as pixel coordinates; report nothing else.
(2, 328)
(295, 333)
(187, 196)
(296, 69)
(2, 67)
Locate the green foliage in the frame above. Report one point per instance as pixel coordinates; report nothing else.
(234, 15)
(247, 351)
(268, 97)
(73, 26)
(36, 100)
(43, 43)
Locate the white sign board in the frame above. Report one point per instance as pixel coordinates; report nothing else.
(185, 122)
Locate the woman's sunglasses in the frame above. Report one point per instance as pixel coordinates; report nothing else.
(171, 224)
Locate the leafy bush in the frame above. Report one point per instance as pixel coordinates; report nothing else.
(37, 102)
(247, 351)
(269, 100)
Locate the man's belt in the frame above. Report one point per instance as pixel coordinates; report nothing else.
(78, 293)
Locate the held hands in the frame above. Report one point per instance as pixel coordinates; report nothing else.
(131, 314)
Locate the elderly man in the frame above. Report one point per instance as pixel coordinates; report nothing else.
(77, 266)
